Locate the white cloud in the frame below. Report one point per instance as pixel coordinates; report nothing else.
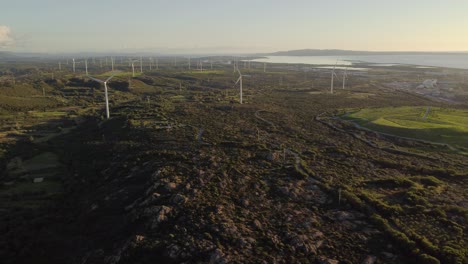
(6, 38)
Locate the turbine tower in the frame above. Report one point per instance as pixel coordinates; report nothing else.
(240, 86)
(105, 91)
(141, 64)
(332, 76)
(86, 66)
(73, 65)
(345, 74)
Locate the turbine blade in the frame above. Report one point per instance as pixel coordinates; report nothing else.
(240, 77)
(94, 79)
(108, 79)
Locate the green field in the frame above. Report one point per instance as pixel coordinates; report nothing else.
(441, 125)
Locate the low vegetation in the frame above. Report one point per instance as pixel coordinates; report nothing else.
(183, 173)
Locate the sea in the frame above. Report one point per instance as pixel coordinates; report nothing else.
(459, 61)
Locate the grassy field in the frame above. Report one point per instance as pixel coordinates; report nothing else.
(440, 125)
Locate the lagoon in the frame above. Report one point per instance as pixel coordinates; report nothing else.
(459, 61)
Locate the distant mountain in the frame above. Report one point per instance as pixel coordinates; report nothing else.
(336, 52)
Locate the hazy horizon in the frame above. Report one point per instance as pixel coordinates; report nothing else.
(243, 27)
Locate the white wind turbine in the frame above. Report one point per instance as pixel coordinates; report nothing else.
(200, 65)
(133, 69)
(105, 91)
(141, 64)
(73, 65)
(333, 74)
(132, 63)
(240, 86)
(345, 75)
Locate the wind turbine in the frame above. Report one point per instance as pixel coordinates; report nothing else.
(189, 66)
(73, 65)
(112, 62)
(345, 74)
(333, 74)
(240, 85)
(200, 65)
(264, 67)
(105, 91)
(141, 64)
(133, 67)
(86, 66)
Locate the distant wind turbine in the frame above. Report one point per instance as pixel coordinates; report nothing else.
(333, 74)
(240, 86)
(345, 75)
(105, 91)
(141, 64)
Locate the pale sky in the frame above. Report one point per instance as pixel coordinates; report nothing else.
(238, 26)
